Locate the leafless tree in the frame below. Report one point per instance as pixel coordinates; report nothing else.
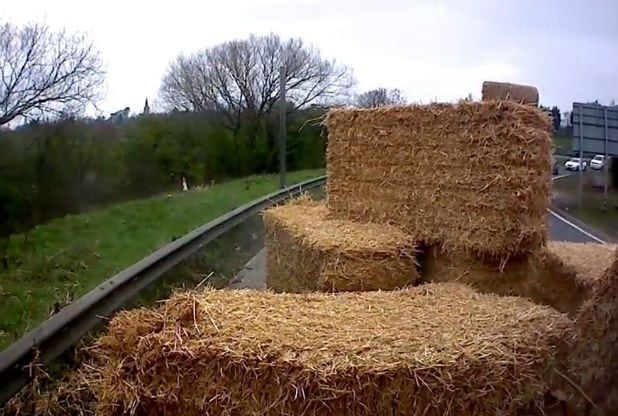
(380, 97)
(242, 76)
(45, 73)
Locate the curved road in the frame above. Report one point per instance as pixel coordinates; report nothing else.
(566, 229)
(562, 229)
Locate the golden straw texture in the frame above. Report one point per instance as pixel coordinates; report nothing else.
(306, 251)
(523, 94)
(561, 275)
(469, 175)
(589, 261)
(595, 358)
(439, 349)
(72, 393)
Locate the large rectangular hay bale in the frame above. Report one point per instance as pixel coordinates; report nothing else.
(472, 175)
(594, 361)
(431, 350)
(562, 275)
(307, 251)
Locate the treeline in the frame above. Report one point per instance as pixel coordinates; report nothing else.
(221, 105)
(48, 170)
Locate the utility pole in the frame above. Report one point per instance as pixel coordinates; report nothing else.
(581, 156)
(282, 127)
(605, 160)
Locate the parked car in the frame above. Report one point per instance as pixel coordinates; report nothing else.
(575, 164)
(597, 162)
(555, 167)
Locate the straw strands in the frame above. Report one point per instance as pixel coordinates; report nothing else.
(561, 275)
(307, 251)
(595, 358)
(473, 175)
(72, 394)
(589, 261)
(438, 349)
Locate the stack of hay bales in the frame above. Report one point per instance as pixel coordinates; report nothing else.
(440, 349)
(466, 183)
(467, 178)
(307, 251)
(469, 184)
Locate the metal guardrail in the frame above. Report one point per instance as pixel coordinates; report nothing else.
(56, 335)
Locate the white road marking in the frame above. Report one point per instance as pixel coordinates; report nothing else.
(560, 176)
(575, 226)
(581, 230)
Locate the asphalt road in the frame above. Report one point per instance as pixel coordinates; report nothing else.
(253, 275)
(561, 229)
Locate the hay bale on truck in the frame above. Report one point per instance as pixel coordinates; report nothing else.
(307, 251)
(523, 94)
(473, 175)
(562, 275)
(589, 261)
(439, 349)
(594, 360)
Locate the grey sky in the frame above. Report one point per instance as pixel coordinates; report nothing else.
(429, 49)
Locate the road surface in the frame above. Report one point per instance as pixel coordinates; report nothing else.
(562, 229)
(253, 275)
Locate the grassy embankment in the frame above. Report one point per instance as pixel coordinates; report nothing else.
(61, 260)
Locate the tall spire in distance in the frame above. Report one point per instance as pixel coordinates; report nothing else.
(146, 108)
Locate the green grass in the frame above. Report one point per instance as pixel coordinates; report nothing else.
(65, 258)
(593, 210)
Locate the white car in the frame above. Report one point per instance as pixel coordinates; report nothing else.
(597, 162)
(574, 164)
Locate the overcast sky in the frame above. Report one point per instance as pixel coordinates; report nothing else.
(431, 50)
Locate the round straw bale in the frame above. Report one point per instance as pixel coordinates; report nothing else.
(307, 251)
(439, 349)
(523, 94)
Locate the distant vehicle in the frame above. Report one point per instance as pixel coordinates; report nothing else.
(597, 162)
(574, 164)
(555, 167)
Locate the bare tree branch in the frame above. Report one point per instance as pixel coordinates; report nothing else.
(44, 73)
(242, 76)
(380, 97)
